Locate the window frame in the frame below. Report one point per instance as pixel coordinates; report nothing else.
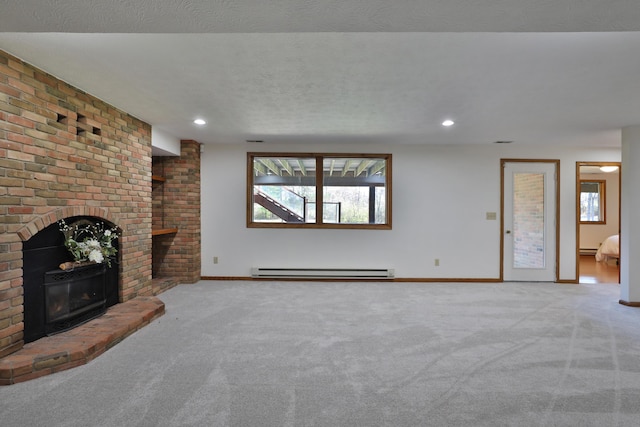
(601, 199)
(319, 186)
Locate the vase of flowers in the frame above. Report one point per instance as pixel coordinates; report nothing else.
(89, 241)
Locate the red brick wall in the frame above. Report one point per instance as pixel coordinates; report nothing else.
(66, 153)
(177, 205)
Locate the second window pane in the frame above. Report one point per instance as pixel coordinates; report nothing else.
(354, 190)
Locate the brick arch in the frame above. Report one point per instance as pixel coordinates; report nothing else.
(33, 227)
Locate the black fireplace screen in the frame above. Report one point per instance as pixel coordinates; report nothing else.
(73, 296)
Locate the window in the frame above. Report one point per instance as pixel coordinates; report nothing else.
(319, 190)
(592, 202)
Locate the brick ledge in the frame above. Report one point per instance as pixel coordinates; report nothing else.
(79, 345)
(161, 284)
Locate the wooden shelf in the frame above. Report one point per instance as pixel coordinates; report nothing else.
(158, 178)
(164, 231)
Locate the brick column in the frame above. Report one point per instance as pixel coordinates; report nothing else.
(178, 255)
(66, 153)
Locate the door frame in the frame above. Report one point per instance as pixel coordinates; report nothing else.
(578, 164)
(556, 162)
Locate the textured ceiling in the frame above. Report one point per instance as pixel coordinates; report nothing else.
(285, 16)
(550, 72)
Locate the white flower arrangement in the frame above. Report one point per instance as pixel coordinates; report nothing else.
(87, 241)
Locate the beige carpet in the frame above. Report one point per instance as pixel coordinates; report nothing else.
(358, 354)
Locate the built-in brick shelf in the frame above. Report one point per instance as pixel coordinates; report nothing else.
(80, 345)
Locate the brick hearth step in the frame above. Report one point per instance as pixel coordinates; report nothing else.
(79, 345)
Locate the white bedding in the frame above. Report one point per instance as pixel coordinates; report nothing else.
(610, 248)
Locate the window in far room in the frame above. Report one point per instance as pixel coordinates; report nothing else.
(592, 202)
(319, 190)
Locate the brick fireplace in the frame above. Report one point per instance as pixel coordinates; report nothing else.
(65, 153)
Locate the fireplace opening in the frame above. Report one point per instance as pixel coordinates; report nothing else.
(73, 297)
(42, 255)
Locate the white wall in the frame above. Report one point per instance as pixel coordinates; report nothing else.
(441, 195)
(592, 235)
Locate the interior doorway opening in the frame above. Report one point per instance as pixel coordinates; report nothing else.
(598, 222)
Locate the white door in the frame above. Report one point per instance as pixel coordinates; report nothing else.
(529, 214)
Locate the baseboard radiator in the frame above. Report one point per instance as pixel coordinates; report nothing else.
(323, 273)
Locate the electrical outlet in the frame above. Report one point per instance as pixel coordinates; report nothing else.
(437, 262)
(215, 259)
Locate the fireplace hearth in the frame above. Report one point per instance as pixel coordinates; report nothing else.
(73, 297)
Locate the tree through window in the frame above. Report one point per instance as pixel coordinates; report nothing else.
(592, 202)
(319, 190)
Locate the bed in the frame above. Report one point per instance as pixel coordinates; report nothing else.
(609, 249)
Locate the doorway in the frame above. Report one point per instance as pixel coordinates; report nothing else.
(529, 220)
(598, 222)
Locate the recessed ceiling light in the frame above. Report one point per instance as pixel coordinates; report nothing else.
(502, 142)
(448, 123)
(608, 168)
(199, 122)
